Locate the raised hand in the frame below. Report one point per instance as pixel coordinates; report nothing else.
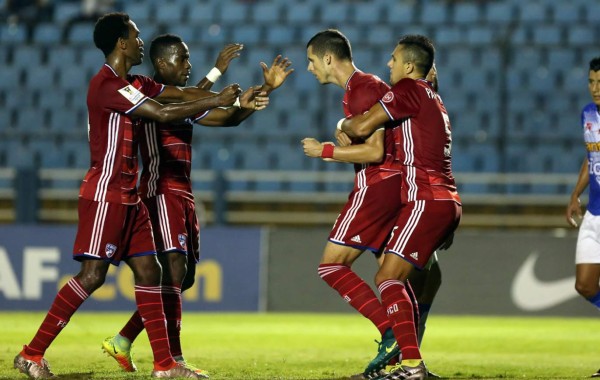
(277, 73)
(254, 99)
(229, 95)
(226, 55)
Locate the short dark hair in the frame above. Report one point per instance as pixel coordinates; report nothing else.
(331, 41)
(108, 29)
(160, 45)
(419, 50)
(595, 64)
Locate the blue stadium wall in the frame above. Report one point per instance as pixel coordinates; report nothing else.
(36, 261)
(513, 75)
(275, 269)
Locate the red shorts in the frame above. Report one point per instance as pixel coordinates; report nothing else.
(112, 231)
(421, 228)
(368, 217)
(175, 225)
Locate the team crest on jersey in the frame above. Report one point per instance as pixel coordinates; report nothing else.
(182, 240)
(588, 126)
(388, 97)
(131, 93)
(110, 249)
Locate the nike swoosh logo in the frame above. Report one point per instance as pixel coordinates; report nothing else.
(390, 348)
(531, 294)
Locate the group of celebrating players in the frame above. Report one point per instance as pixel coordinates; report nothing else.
(403, 207)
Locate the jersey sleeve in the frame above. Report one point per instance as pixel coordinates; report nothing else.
(148, 86)
(402, 100)
(200, 116)
(120, 96)
(367, 94)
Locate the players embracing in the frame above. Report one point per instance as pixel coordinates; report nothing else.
(431, 207)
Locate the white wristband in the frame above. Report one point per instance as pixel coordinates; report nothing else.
(214, 74)
(339, 123)
(237, 102)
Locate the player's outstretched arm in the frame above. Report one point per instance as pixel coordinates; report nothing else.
(342, 138)
(251, 100)
(175, 94)
(164, 113)
(574, 206)
(369, 152)
(362, 126)
(229, 52)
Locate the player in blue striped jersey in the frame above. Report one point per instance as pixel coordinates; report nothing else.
(587, 256)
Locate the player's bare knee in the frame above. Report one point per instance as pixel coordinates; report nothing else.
(179, 269)
(147, 270)
(148, 276)
(177, 275)
(174, 267)
(381, 277)
(331, 257)
(92, 274)
(586, 290)
(339, 254)
(90, 280)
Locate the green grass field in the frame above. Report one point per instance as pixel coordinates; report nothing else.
(320, 346)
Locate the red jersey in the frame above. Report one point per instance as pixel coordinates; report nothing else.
(423, 140)
(167, 157)
(113, 135)
(362, 92)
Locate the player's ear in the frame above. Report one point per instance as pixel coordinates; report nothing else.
(122, 43)
(327, 59)
(409, 67)
(160, 63)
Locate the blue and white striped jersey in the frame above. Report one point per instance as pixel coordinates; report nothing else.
(590, 121)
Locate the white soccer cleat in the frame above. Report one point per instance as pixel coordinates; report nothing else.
(32, 368)
(178, 371)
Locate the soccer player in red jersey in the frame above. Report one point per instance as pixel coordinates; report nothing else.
(166, 187)
(424, 283)
(431, 207)
(114, 225)
(368, 216)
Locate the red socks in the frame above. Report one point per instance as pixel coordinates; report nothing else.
(67, 301)
(172, 306)
(356, 292)
(133, 327)
(400, 312)
(150, 307)
(171, 299)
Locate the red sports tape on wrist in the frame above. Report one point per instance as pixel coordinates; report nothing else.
(327, 151)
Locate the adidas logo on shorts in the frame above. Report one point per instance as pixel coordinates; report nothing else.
(415, 255)
(356, 239)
